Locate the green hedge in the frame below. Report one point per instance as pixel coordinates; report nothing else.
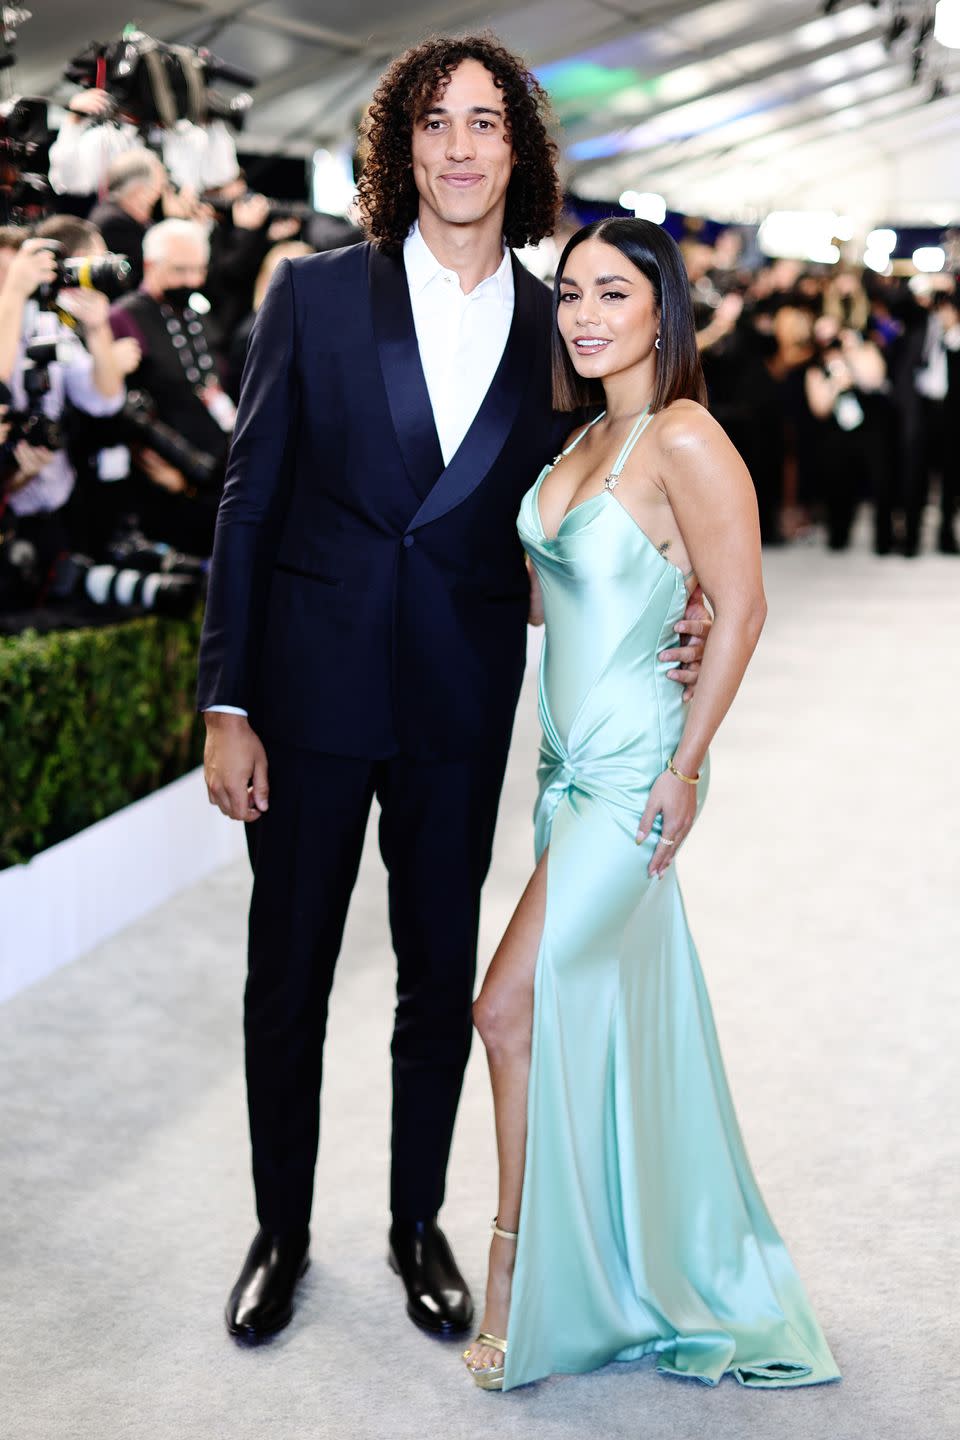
(90, 720)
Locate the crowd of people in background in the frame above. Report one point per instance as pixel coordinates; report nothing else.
(839, 387)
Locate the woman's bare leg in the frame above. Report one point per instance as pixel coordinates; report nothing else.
(503, 1014)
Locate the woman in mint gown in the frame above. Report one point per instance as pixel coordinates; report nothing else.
(629, 1221)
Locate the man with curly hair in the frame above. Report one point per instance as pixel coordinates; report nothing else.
(366, 626)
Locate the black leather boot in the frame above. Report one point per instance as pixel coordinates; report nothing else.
(261, 1302)
(437, 1296)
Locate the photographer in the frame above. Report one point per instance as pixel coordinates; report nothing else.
(37, 477)
(243, 232)
(135, 183)
(95, 134)
(843, 389)
(178, 374)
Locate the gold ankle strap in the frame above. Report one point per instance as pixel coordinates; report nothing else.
(504, 1234)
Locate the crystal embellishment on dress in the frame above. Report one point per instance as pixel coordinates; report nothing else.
(611, 482)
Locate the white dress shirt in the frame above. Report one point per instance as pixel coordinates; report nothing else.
(203, 157)
(932, 378)
(461, 339)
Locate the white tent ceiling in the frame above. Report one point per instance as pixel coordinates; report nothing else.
(726, 107)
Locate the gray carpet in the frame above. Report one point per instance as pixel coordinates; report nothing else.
(821, 886)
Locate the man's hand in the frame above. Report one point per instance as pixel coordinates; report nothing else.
(30, 459)
(251, 212)
(33, 265)
(127, 354)
(161, 472)
(695, 625)
(91, 102)
(235, 767)
(184, 204)
(90, 307)
(284, 228)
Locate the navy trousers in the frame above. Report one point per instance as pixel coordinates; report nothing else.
(436, 834)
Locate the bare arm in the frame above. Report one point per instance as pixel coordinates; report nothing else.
(714, 501)
(867, 365)
(712, 497)
(93, 311)
(32, 265)
(822, 391)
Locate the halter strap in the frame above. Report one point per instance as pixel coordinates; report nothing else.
(637, 429)
(574, 443)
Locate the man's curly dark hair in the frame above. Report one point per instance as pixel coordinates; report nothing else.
(388, 196)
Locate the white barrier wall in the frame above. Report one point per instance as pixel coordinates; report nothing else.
(72, 896)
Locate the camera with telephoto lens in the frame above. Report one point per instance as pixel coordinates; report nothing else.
(24, 136)
(32, 423)
(164, 592)
(142, 427)
(158, 84)
(133, 551)
(111, 275)
(279, 209)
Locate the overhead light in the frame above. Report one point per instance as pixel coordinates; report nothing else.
(844, 228)
(800, 235)
(882, 240)
(878, 260)
(645, 205)
(947, 24)
(929, 259)
(332, 186)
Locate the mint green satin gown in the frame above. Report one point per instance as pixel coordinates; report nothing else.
(642, 1229)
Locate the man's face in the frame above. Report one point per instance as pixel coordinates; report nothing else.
(183, 265)
(461, 150)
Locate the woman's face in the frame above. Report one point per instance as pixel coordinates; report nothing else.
(792, 326)
(607, 312)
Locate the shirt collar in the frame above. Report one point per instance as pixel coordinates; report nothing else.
(422, 267)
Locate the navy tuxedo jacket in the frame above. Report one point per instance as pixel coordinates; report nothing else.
(364, 599)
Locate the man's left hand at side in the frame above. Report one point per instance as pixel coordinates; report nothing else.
(694, 627)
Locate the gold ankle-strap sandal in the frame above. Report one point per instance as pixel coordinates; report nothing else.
(490, 1377)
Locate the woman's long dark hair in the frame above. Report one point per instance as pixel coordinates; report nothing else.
(657, 256)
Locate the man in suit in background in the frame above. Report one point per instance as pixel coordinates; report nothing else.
(366, 626)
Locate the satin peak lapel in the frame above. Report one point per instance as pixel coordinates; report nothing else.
(494, 420)
(402, 371)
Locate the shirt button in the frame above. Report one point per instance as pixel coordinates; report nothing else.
(407, 541)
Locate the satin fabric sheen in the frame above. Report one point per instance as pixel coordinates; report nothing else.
(642, 1229)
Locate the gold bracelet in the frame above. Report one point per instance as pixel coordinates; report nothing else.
(687, 779)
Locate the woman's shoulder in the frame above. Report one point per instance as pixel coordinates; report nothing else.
(686, 425)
